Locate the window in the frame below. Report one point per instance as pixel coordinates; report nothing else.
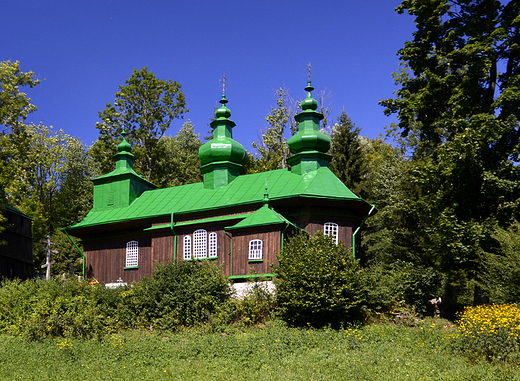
(200, 244)
(331, 229)
(132, 254)
(255, 249)
(212, 245)
(187, 247)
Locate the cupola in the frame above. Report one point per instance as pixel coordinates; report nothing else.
(222, 159)
(309, 146)
(123, 185)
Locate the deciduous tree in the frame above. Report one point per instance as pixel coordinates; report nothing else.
(459, 109)
(145, 107)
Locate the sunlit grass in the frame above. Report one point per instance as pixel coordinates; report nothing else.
(375, 352)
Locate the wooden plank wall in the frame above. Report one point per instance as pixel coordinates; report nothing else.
(271, 238)
(105, 260)
(16, 257)
(223, 243)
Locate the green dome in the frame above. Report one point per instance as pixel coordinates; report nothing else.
(124, 146)
(309, 136)
(222, 148)
(309, 103)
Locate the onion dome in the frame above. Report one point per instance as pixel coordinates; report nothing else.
(309, 146)
(222, 158)
(309, 137)
(124, 146)
(124, 158)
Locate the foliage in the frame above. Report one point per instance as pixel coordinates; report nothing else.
(489, 332)
(376, 352)
(52, 185)
(502, 266)
(459, 121)
(15, 106)
(179, 158)
(390, 287)
(36, 309)
(349, 157)
(257, 306)
(180, 294)
(318, 282)
(272, 145)
(145, 107)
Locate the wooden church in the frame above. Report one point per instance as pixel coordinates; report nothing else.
(237, 221)
(16, 257)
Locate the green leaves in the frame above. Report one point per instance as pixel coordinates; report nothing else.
(145, 107)
(318, 282)
(15, 106)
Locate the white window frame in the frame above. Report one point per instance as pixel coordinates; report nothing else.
(331, 229)
(187, 247)
(132, 254)
(200, 244)
(212, 246)
(256, 249)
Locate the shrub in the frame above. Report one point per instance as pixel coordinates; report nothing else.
(491, 331)
(502, 268)
(256, 306)
(318, 282)
(400, 284)
(179, 294)
(37, 309)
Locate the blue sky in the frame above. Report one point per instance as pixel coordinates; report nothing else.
(83, 50)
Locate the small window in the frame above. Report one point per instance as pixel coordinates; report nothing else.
(331, 229)
(255, 249)
(212, 245)
(200, 244)
(187, 247)
(132, 254)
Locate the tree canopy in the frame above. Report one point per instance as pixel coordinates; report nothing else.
(145, 107)
(458, 110)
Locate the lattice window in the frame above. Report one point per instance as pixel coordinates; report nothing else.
(212, 245)
(255, 249)
(200, 244)
(331, 229)
(132, 254)
(187, 247)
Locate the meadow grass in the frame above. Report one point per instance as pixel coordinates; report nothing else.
(273, 351)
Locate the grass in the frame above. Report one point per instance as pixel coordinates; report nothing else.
(374, 352)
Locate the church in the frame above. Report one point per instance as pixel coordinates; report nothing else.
(238, 221)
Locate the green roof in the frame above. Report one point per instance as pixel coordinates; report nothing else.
(263, 216)
(245, 189)
(197, 222)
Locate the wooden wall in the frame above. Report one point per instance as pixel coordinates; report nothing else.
(106, 259)
(271, 238)
(16, 258)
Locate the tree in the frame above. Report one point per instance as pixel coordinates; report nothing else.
(272, 145)
(15, 106)
(179, 162)
(145, 107)
(318, 282)
(349, 157)
(459, 118)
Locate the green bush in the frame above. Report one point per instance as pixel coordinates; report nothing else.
(179, 294)
(502, 267)
(390, 288)
(256, 306)
(318, 282)
(37, 309)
